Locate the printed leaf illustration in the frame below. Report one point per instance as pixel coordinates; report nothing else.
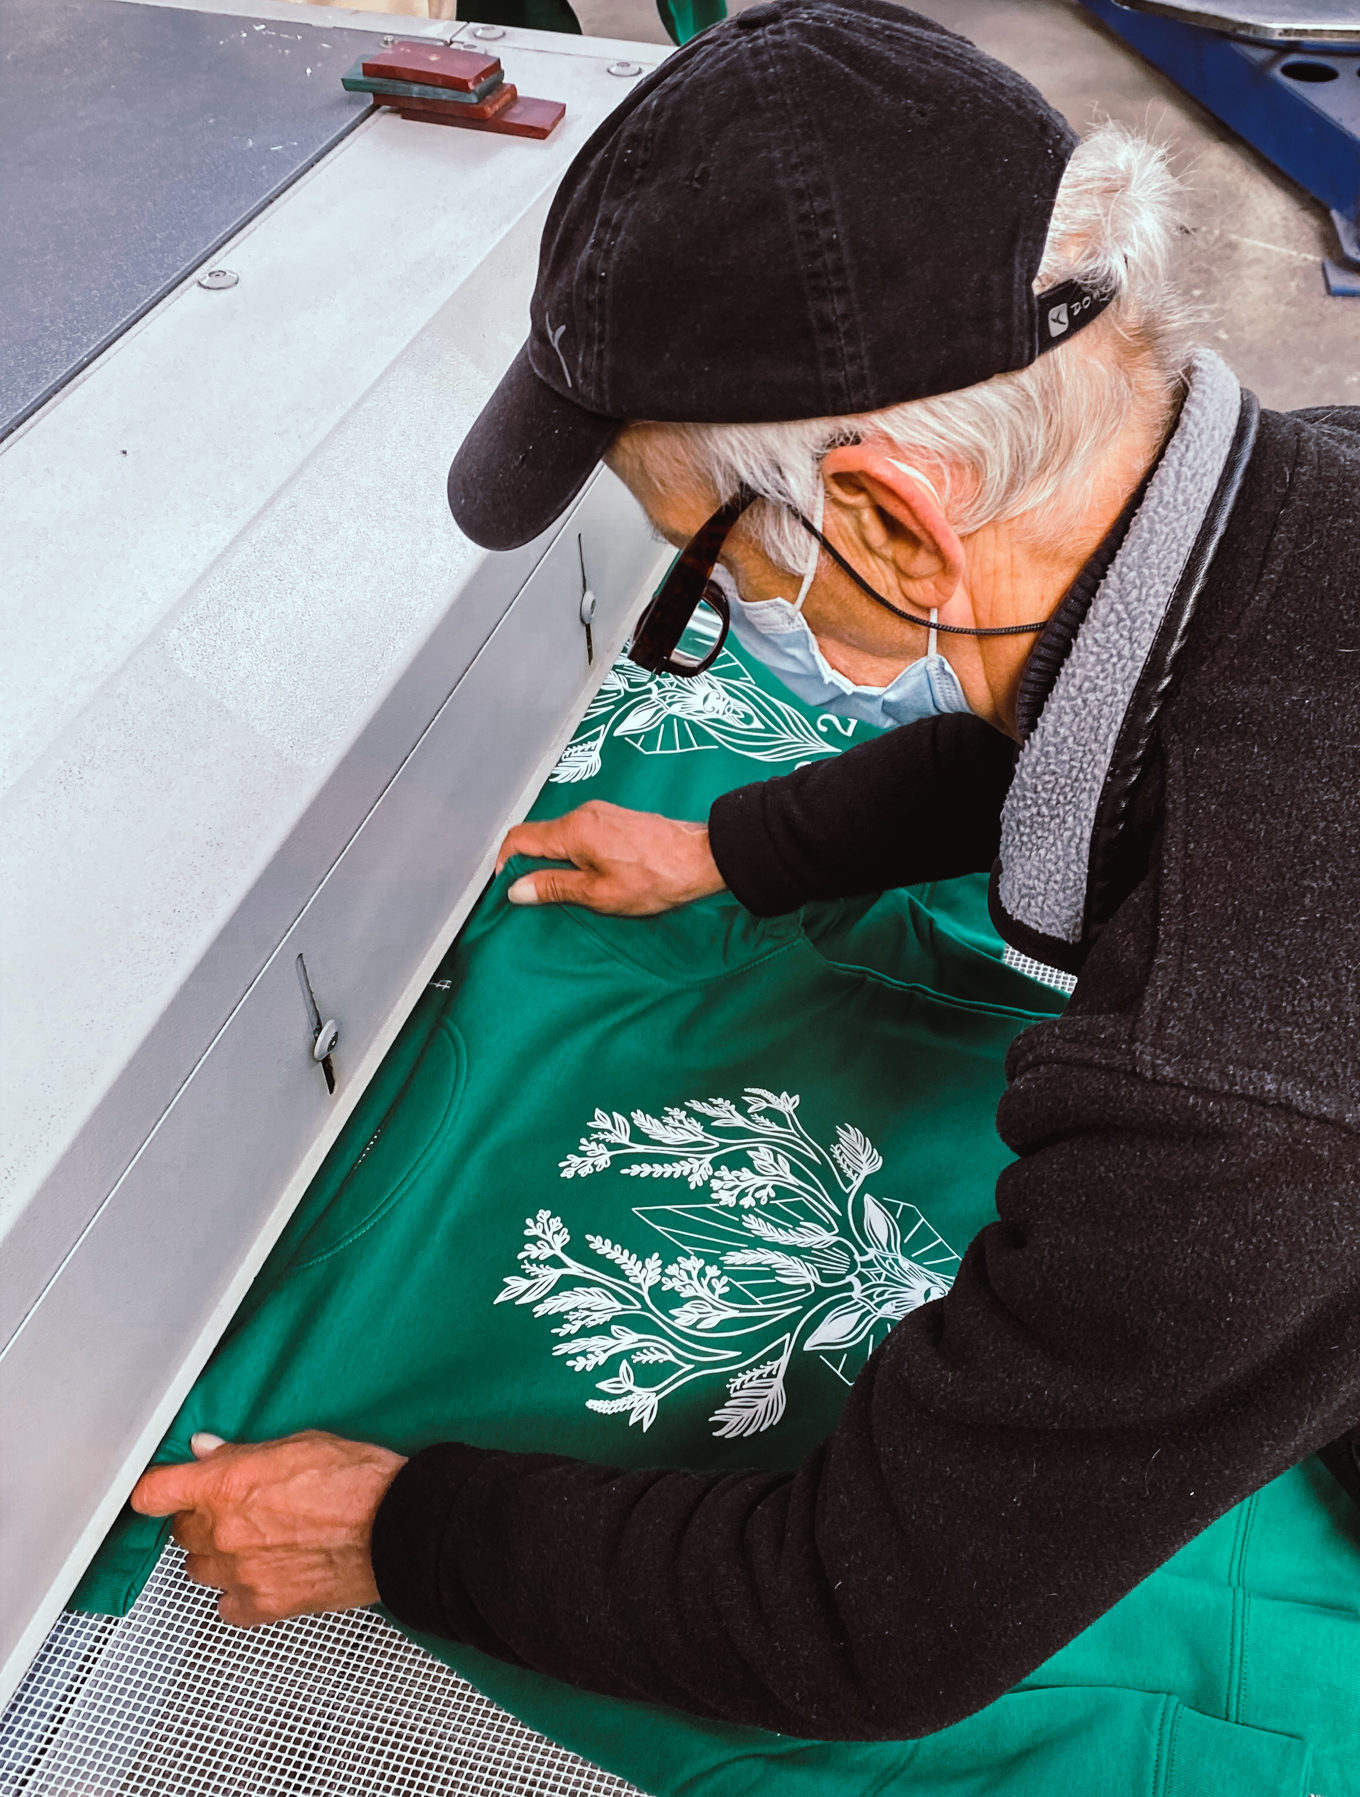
(787, 1252)
(842, 1327)
(659, 714)
(755, 1401)
(855, 1154)
(881, 1229)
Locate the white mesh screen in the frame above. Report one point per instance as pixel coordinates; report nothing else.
(1039, 970)
(171, 1702)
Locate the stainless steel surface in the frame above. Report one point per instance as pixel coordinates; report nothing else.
(218, 280)
(1266, 21)
(171, 1702)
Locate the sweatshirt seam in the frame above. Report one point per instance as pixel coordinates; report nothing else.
(974, 1007)
(680, 983)
(402, 1185)
(1241, 1611)
(1165, 1750)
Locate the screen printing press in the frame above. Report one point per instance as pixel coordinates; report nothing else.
(268, 716)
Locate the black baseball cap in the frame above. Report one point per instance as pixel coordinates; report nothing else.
(818, 207)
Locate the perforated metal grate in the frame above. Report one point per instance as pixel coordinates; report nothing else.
(171, 1702)
(1039, 970)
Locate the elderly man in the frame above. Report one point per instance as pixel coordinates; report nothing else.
(843, 301)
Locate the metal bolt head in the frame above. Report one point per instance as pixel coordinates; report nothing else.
(624, 68)
(388, 42)
(589, 606)
(217, 279)
(487, 33)
(327, 1037)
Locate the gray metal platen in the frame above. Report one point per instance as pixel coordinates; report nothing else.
(135, 140)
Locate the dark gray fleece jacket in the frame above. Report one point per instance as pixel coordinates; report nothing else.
(1167, 1313)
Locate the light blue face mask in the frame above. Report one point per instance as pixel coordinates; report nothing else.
(777, 634)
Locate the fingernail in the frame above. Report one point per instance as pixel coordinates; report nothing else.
(523, 892)
(205, 1443)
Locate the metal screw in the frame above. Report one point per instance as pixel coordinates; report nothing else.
(388, 42)
(488, 32)
(218, 278)
(624, 68)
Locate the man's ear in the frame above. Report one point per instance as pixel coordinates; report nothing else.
(881, 508)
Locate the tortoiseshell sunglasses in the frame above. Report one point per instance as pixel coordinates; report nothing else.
(685, 626)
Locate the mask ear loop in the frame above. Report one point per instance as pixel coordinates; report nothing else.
(818, 514)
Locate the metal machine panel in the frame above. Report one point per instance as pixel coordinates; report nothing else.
(263, 698)
(221, 642)
(135, 140)
(90, 1381)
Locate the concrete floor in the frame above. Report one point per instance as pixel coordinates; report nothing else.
(1253, 251)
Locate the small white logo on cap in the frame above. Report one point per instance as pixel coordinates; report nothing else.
(555, 338)
(1057, 320)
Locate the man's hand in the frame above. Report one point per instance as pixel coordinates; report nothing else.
(628, 863)
(281, 1528)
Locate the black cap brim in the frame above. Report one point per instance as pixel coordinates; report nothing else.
(524, 460)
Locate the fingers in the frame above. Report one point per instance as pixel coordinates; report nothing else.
(166, 1489)
(267, 1586)
(243, 1612)
(547, 841)
(554, 886)
(208, 1569)
(242, 1603)
(195, 1531)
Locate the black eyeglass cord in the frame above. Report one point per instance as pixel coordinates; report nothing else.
(911, 617)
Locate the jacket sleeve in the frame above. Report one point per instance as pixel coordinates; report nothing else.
(920, 803)
(1120, 1360)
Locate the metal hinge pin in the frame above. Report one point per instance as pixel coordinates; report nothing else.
(589, 603)
(325, 1036)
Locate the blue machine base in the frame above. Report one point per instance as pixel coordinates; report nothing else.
(1300, 107)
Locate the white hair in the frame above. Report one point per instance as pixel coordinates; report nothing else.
(1022, 443)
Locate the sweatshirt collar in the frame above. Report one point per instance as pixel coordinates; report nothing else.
(1045, 663)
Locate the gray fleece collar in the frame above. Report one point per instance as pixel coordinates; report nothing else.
(1050, 811)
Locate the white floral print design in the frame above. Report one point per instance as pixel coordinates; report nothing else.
(724, 708)
(788, 1251)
